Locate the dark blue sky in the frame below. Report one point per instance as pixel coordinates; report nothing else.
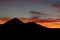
(22, 8)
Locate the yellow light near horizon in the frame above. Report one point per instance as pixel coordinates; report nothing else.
(52, 24)
(4, 20)
(49, 25)
(39, 22)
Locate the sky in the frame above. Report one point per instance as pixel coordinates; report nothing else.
(22, 8)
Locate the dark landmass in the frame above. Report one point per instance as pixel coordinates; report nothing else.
(16, 25)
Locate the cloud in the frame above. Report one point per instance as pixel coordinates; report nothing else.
(55, 6)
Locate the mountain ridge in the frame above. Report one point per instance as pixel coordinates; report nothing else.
(15, 25)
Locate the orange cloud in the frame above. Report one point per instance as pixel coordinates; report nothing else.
(45, 23)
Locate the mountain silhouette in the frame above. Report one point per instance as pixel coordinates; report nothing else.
(33, 27)
(14, 21)
(15, 25)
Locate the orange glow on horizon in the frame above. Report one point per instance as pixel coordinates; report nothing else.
(45, 23)
(4, 20)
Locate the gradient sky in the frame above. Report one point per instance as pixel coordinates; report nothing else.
(22, 8)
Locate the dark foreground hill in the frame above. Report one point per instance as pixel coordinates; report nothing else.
(16, 25)
(13, 25)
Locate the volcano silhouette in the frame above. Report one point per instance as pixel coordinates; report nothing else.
(15, 25)
(33, 27)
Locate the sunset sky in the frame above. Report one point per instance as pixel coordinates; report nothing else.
(22, 8)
